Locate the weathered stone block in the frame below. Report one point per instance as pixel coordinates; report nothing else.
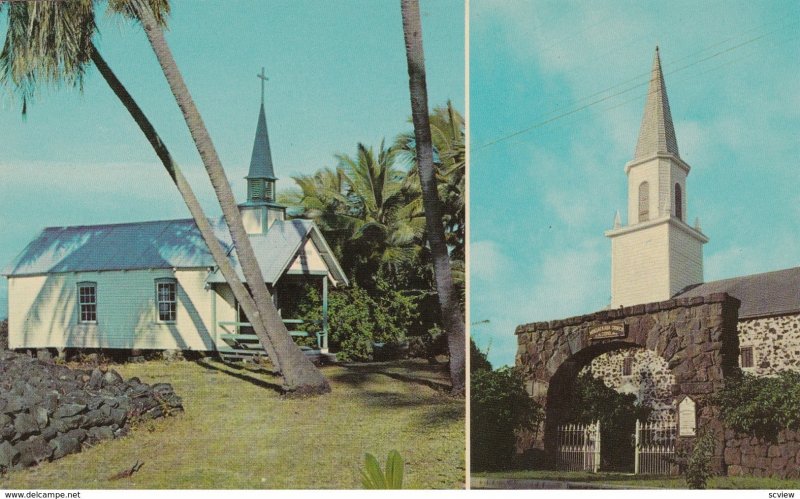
(9, 455)
(732, 456)
(25, 425)
(68, 410)
(33, 451)
(64, 445)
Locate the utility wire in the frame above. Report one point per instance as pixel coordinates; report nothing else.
(629, 89)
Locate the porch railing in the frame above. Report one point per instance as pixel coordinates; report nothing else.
(234, 328)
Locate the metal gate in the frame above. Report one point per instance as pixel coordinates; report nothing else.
(579, 447)
(655, 448)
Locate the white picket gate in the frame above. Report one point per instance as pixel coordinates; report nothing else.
(655, 447)
(579, 447)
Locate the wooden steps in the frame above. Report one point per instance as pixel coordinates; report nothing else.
(247, 346)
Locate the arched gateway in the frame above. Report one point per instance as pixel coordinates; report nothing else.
(696, 337)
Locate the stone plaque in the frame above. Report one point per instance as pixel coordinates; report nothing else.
(605, 331)
(687, 418)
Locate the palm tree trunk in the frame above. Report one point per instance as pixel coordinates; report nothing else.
(206, 231)
(300, 374)
(452, 317)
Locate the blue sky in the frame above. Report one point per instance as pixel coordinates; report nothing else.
(338, 76)
(541, 200)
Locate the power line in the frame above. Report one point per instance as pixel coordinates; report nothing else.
(629, 89)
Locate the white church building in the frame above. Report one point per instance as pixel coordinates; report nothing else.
(154, 285)
(658, 256)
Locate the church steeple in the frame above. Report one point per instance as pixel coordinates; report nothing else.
(260, 210)
(657, 134)
(261, 177)
(656, 254)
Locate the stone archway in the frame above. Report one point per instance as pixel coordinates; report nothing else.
(696, 337)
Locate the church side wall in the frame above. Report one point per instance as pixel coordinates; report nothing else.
(775, 342)
(685, 260)
(43, 311)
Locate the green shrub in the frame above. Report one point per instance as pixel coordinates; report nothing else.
(698, 466)
(356, 320)
(761, 406)
(372, 477)
(499, 406)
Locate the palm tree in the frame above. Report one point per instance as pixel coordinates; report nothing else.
(452, 317)
(32, 55)
(380, 207)
(300, 374)
(449, 159)
(365, 208)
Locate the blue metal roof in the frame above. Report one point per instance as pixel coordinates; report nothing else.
(161, 245)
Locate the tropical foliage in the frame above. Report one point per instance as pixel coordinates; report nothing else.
(372, 477)
(761, 406)
(369, 208)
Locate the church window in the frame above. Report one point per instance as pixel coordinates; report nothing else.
(268, 191)
(87, 302)
(644, 202)
(627, 366)
(166, 298)
(678, 202)
(746, 357)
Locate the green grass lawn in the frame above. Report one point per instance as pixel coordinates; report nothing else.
(658, 482)
(238, 432)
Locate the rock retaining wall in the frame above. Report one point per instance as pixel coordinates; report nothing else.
(751, 456)
(48, 411)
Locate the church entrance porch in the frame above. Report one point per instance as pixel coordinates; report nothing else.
(237, 339)
(695, 337)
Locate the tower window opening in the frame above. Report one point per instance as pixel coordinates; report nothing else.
(644, 202)
(678, 202)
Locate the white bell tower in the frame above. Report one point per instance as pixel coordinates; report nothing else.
(657, 253)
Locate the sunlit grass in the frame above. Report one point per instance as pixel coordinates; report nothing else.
(238, 432)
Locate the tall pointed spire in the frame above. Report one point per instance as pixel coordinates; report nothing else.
(261, 159)
(657, 134)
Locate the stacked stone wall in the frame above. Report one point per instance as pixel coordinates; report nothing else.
(48, 411)
(751, 456)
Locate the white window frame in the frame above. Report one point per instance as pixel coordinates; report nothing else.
(167, 281)
(87, 285)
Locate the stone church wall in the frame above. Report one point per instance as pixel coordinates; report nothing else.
(775, 342)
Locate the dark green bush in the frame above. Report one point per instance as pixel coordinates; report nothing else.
(478, 361)
(593, 401)
(761, 406)
(499, 405)
(356, 320)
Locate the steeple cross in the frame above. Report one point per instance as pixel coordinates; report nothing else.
(263, 79)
